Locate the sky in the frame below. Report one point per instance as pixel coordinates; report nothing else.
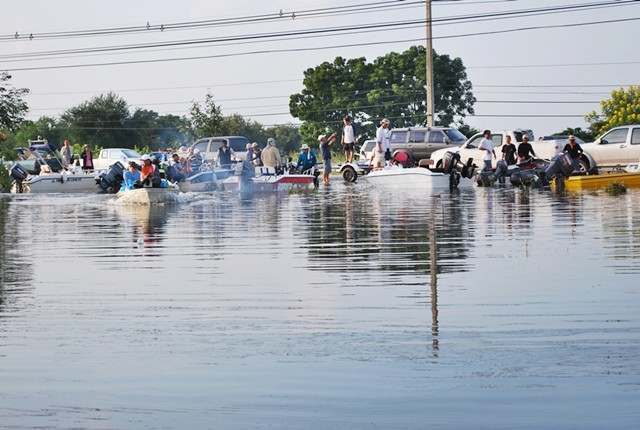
(536, 64)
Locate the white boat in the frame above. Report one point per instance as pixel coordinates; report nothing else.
(148, 196)
(265, 179)
(206, 180)
(40, 170)
(414, 177)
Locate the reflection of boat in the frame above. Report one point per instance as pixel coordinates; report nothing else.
(42, 172)
(148, 196)
(265, 179)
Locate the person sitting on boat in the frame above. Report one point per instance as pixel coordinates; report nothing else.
(306, 159)
(160, 170)
(225, 154)
(148, 170)
(257, 155)
(174, 171)
(525, 150)
(195, 160)
(271, 155)
(131, 177)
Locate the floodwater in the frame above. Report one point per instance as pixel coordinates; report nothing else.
(346, 308)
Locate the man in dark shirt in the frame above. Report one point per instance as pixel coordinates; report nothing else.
(525, 150)
(573, 149)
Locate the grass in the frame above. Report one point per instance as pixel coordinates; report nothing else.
(615, 188)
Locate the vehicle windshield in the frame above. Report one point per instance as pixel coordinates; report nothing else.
(130, 153)
(455, 135)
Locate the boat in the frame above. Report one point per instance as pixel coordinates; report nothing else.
(629, 176)
(250, 179)
(39, 170)
(453, 175)
(148, 196)
(207, 179)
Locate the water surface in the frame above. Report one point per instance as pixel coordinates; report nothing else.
(347, 308)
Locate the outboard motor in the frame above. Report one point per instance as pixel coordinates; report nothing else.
(486, 178)
(562, 165)
(19, 174)
(524, 177)
(112, 178)
(451, 165)
(502, 171)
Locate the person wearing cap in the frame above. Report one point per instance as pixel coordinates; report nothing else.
(195, 160)
(67, 153)
(325, 153)
(256, 154)
(271, 155)
(382, 150)
(348, 140)
(225, 154)
(489, 153)
(306, 158)
(148, 170)
(573, 149)
(525, 150)
(249, 152)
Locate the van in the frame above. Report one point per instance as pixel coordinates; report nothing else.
(420, 142)
(209, 146)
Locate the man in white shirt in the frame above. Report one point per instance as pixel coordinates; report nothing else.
(382, 144)
(348, 140)
(486, 145)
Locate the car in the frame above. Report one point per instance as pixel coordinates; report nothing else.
(366, 150)
(420, 142)
(108, 156)
(209, 146)
(618, 146)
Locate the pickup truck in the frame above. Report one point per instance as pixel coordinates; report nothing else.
(108, 156)
(618, 146)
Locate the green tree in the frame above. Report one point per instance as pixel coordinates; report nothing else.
(100, 122)
(287, 136)
(206, 120)
(586, 135)
(12, 106)
(393, 86)
(622, 108)
(236, 125)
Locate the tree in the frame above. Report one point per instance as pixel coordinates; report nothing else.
(12, 107)
(206, 121)
(586, 135)
(100, 122)
(393, 86)
(622, 108)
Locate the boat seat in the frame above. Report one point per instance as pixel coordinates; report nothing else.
(263, 170)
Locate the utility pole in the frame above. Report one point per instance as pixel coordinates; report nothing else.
(429, 48)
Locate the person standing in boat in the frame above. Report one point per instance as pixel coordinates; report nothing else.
(67, 153)
(509, 151)
(306, 159)
(348, 140)
(225, 154)
(382, 151)
(486, 145)
(257, 154)
(271, 155)
(325, 153)
(525, 150)
(87, 158)
(574, 150)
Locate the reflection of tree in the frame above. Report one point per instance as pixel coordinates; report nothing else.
(355, 230)
(15, 272)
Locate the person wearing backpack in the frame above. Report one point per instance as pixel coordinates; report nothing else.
(348, 139)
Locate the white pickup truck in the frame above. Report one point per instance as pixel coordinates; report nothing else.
(108, 156)
(618, 146)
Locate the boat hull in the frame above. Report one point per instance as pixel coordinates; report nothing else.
(148, 196)
(58, 183)
(596, 182)
(269, 183)
(412, 178)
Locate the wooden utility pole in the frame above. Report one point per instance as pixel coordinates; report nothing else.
(429, 49)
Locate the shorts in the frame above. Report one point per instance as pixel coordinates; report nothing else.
(349, 147)
(327, 165)
(379, 157)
